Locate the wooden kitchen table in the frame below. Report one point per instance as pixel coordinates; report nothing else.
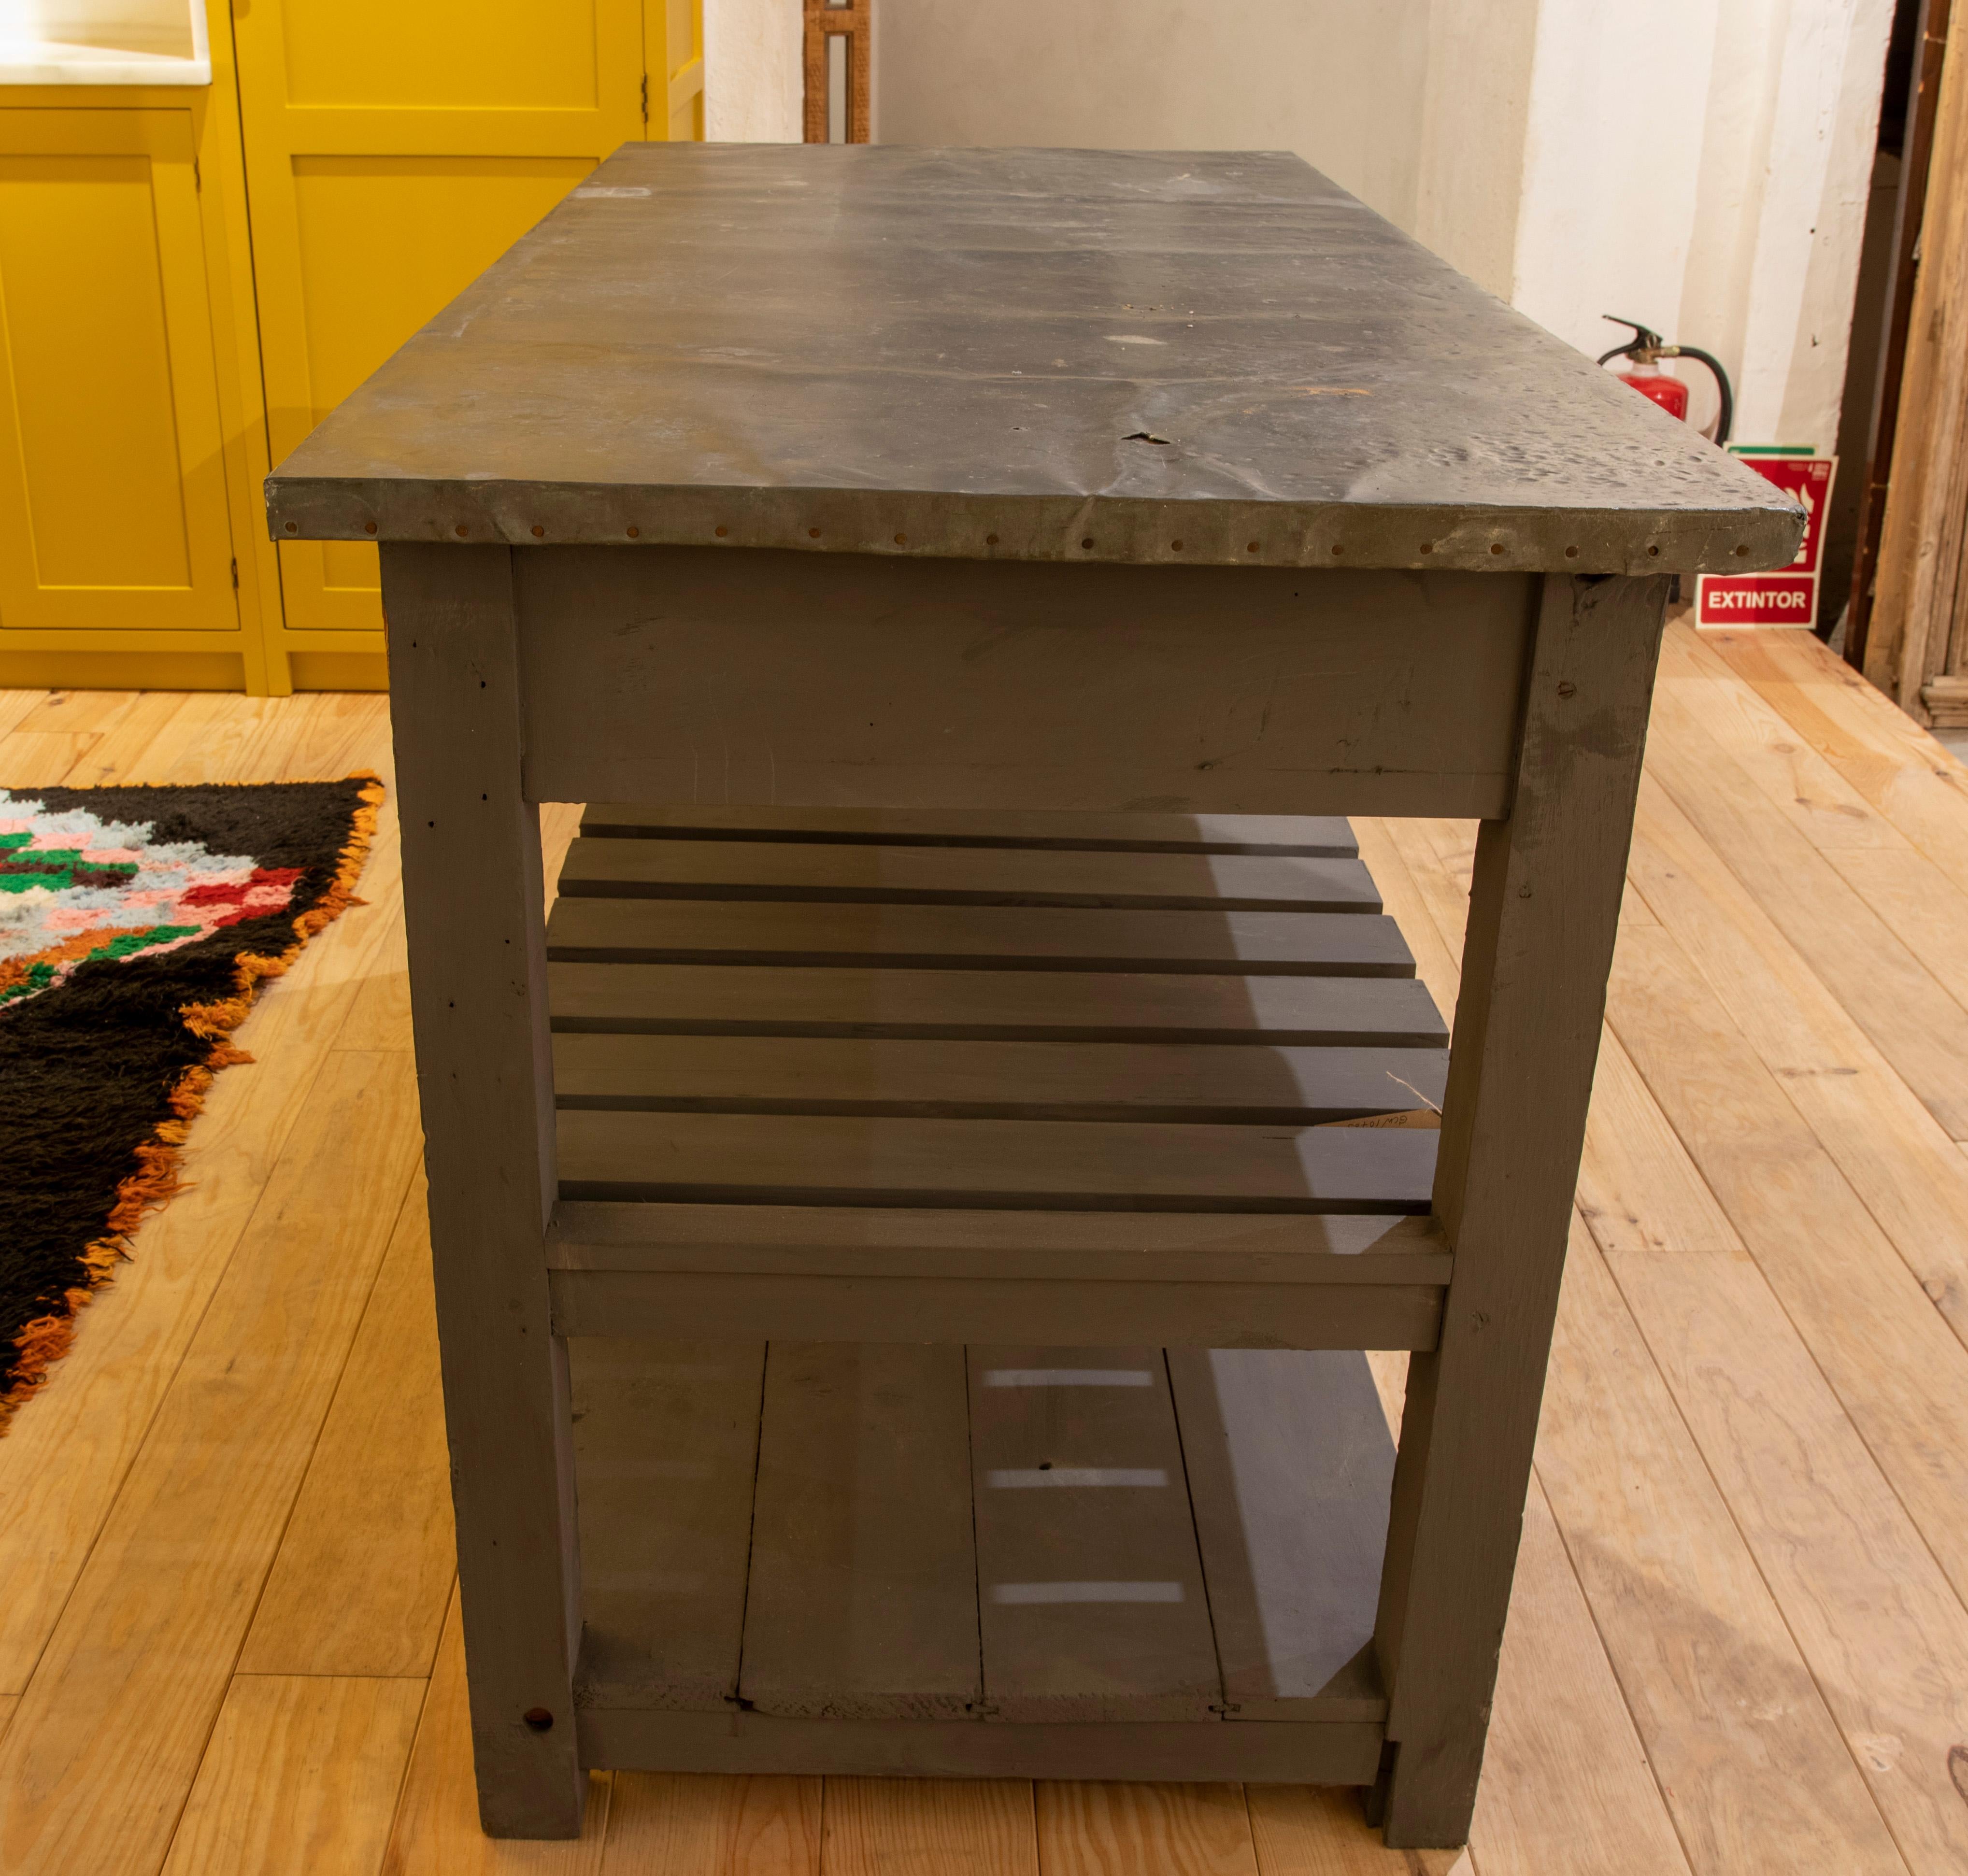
(900, 1288)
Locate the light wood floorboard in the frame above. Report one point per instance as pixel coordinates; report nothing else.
(1091, 1829)
(364, 1570)
(1738, 1642)
(672, 1826)
(300, 1777)
(929, 1827)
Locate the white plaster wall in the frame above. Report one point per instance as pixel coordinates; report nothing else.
(1342, 83)
(751, 76)
(1722, 204)
(1475, 112)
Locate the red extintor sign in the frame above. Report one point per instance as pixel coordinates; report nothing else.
(1788, 598)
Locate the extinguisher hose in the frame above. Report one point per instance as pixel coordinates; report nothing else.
(1726, 415)
(1645, 343)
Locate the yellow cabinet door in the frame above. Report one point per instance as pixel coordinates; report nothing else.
(394, 149)
(112, 486)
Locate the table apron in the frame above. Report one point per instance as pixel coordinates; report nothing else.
(704, 676)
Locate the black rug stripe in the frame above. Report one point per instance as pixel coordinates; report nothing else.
(87, 1068)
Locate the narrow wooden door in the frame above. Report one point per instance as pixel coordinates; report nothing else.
(112, 486)
(394, 149)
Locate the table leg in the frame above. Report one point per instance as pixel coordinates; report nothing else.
(1544, 909)
(472, 901)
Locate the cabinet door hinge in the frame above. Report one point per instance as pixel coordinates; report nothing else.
(645, 101)
(197, 181)
(235, 576)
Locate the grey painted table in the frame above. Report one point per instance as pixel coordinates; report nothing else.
(931, 558)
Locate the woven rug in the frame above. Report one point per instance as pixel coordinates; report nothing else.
(136, 927)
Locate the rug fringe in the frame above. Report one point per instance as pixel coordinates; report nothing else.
(42, 1342)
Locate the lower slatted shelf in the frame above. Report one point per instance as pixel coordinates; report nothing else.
(1015, 1162)
(1076, 1562)
(849, 1039)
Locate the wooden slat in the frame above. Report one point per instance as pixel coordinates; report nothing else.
(1224, 1314)
(810, 871)
(1637, 1188)
(1873, 1614)
(1894, 1151)
(1899, 1370)
(1920, 546)
(991, 1080)
(1336, 1752)
(1105, 1165)
(1566, 1781)
(929, 1829)
(862, 1602)
(1391, 1012)
(366, 1564)
(1758, 858)
(1735, 1728)
(889, 1240)
(662, 1824)
(301, 1776)
(673, 1425)
(1290, 1468)
(1091, 1828)
(59, 731)
(1090, 1597)
(1307, 834)
(123, 753)
(1887, 758)
(1791, 776)
(976, 938)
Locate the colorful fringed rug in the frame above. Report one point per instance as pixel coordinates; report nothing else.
(136, 925)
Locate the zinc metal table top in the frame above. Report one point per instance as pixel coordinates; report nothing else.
(1191, 358)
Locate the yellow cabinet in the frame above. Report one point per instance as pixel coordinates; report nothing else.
(191, 275)
(393, 152)
(116, 539)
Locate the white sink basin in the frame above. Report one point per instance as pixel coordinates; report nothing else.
(103, 42)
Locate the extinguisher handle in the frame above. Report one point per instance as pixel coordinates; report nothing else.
(1726, 415)
(1644, 339)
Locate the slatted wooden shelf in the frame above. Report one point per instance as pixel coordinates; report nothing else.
(1017, 1559)
(937, 1128)
(951, 1076)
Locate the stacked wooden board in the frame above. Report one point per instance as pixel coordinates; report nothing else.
(966, 1255)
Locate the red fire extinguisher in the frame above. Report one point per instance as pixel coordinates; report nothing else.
(1646, 349)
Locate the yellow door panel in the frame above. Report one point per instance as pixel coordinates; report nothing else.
(394, 149)
(112, 487)
(386, 243)
(517, 55)
(673, 31)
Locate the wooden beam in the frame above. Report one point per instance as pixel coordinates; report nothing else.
(473, 901)
(854, 21)
(1544, 909)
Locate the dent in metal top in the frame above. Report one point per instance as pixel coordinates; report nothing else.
(1036, 354)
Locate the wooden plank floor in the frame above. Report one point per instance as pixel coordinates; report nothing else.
(228, 1642)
